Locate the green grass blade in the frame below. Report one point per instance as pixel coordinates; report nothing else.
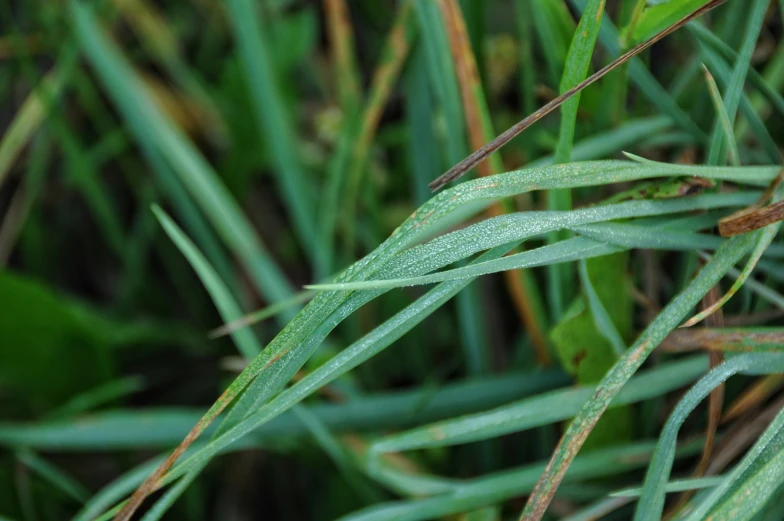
(32, 112)
(765, 238)
(349, 358)
(515, 227)
(723, 73)
(728, 53)
(551, 24)
(653, 494)
(114, 430)
(724, 119)
(734, 88)
(274, 126)
(54, 475)
(540, 410)
(601, 318)
(190, 166)
(678, 485)
(339, 456)
(578, 60)
(615, 379)
(645, 81)
(770, 438)
(498, 487)
(229, 310)
(115, 491)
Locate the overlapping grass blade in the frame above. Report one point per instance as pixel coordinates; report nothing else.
(192, 169)
(521, 286)
(113, 430)
(651, 501)
(54, 475)
(728, 53)
(724, 119)
(499, 230)
(578, 60)
(601, 318)
(677, 485)
(644, 80)
(444, 80)
(771, 438)
(578, 431)
(723, 72)
(497, 487)
(765, 238)
(734, 88)
(540, 410)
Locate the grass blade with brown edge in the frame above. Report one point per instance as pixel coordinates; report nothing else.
(481, 154)
(479, 126)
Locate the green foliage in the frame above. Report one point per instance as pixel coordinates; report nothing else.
(168, 168)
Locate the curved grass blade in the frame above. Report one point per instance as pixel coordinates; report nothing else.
(33, 110)
(749, 175)
(765, 238)
(118, 430)
(521, 286)
(770, 438)
(229, 310)
(54, 475)
(262, 314)
(604, 239)
(601, 318)
(578, 431)
(651, 501)
(734, 89)
(724, 118)
(677, 485)
(578, 60)
(729, 54)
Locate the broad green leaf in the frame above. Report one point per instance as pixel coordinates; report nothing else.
(590, 337)
(655, 18)
(40, 330)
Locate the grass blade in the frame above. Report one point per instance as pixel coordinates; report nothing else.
(724, 119)
(665, 322)
(274, 125)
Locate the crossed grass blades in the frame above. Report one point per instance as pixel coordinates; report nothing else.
(415, 252)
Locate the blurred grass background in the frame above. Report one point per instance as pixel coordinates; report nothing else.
(288, 138)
